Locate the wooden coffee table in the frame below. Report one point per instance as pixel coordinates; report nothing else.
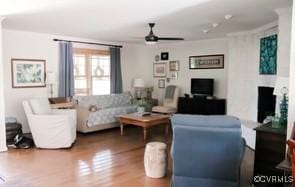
(145, 121)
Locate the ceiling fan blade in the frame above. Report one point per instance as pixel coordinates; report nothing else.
(170, 38)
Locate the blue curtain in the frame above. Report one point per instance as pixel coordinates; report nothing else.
(116, 74)
(66, 70)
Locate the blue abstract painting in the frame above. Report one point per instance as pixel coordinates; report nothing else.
(268, 55)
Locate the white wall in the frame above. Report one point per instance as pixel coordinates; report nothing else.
(291, 109)
(243, 73)
(2, 109)
(135, 64)
(243, 76)
(181, 51)
(26, 45)
(284, 41)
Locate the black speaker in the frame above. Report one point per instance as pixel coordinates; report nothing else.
(266, 103)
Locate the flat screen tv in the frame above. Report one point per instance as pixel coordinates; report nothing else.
(202, 86)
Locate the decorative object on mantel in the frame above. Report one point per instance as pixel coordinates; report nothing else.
(138, 85)
(159, 69)
(50, 80)
(281, 91)
(164, 56)
(157, 58)
(275, 122)
(206, 62)
(161, 83)
(28, 73)
(268, 55)
(174, 65)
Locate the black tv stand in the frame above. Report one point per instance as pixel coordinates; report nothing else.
(202, 106)
(202, 97)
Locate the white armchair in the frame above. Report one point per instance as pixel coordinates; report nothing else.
(51, 129)
(170, 101)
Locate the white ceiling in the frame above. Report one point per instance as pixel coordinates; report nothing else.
(124, 20)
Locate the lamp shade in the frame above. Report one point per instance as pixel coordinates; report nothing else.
(282, 85)
(138, 83)
(50, 78)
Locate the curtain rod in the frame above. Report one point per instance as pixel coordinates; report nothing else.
(91, 43)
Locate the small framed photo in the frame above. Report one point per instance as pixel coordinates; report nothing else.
(164, 56)
(174, 65)
(159, 69)
(161, 83)
(174, 75)
(28, 73)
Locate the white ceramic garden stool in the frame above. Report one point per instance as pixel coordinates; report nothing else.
(155, 159)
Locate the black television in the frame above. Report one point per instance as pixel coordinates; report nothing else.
(202, 86)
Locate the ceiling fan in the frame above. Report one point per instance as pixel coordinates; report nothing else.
(151, 38)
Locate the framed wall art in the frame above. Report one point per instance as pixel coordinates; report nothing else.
(174, 75)
(206, 62)
(28, 73)
(164, 56)
(174, 65)
(268, 55)
(159, 69)
(161, 83)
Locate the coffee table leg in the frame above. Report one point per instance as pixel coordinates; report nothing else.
(144, 133)
(121, 127)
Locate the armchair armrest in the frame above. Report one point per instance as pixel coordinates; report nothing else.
(68, 112)
(82, 114)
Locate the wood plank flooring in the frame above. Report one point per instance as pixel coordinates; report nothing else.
(97, 159)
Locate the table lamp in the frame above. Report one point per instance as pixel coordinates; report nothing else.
(50, 80)
(138, 85)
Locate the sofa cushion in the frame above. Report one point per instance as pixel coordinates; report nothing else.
(215, 121)
(109, 115)
(105, 101)
(40, 106)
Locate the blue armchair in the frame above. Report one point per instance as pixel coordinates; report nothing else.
(206, 151)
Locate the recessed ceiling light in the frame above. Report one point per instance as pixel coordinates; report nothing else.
(228, 16)
(206, 31)
(215, 25)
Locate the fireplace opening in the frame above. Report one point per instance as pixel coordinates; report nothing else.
(266, 103)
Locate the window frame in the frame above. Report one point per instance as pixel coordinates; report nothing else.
(88, 66)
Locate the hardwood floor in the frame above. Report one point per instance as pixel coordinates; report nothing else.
(98, 159)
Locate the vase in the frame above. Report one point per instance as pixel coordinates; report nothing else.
(140, 109)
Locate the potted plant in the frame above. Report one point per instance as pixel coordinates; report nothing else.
(141, 104)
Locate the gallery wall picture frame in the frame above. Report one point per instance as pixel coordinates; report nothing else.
(207, 62)
(159, 70)
(174, 65)
(164, 56)
(28, 73)
(174, 75)
(161, 83)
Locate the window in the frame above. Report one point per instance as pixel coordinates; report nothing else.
(91, 72)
